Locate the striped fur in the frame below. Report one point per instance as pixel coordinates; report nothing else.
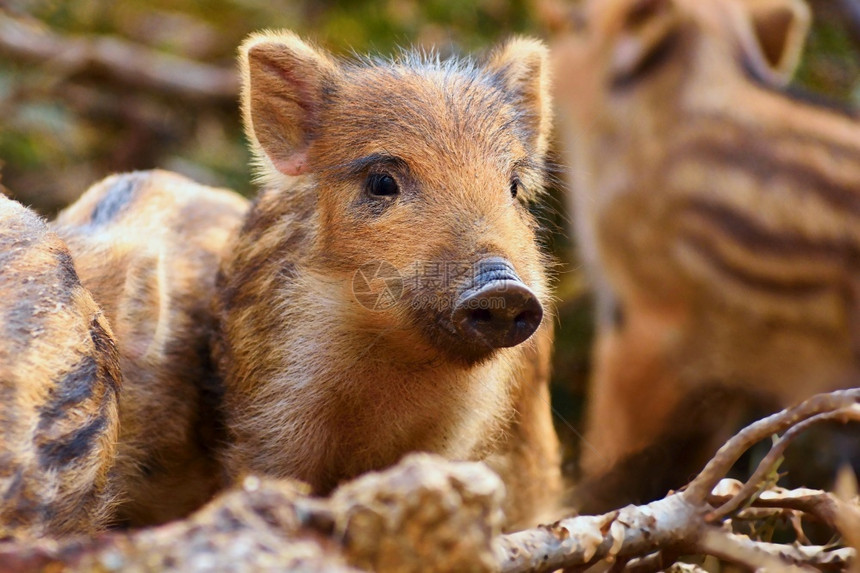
(718, 213)
(314, 387)
(319, 387)
(147, 246)
(59, 383)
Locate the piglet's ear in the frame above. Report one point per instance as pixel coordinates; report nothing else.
(521, 64)
(284, 81)
(645, 29)
(773, 38)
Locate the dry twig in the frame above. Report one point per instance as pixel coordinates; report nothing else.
(128, 63)
(851, 413)
(682, 522)
(430, 514)
(744, 551)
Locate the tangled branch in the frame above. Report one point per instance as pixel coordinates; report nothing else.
(127, 63)
(428, 514)
(686, 522)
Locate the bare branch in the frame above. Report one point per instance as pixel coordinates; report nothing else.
(851, 413)
(131, 64)
(431, 514)
(657, 561)
(726, 456)
(822, 505)
(679, 520)
(630, 532)
(761, 556)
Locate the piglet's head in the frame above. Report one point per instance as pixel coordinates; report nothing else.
(421, 171)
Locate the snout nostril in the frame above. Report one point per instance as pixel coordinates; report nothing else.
(523, 319)
(482, 315)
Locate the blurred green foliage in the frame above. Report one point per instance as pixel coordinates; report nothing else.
(831, 65)
(63, 129)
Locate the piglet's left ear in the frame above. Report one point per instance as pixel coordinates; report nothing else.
(774, 37)
(521, 64)
(284, 80)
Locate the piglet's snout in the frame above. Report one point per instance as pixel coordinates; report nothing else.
(498, 309)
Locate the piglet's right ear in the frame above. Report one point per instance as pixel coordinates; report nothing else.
(645, 29)
(283, 82)
(773, 40)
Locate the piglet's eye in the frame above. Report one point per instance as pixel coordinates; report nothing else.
(382, 185)
(515, 186)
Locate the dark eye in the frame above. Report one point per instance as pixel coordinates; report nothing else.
(515, 186)
(382, 185)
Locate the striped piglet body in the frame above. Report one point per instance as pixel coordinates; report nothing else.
(110, 410)
(147, 245)
(717, 212)
(59, 382)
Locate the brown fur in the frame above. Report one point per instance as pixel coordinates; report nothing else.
(59, 379)
(147, 246)
(718, 214)
(319, 387)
